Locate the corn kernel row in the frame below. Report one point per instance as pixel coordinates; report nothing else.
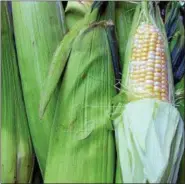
(148, 69)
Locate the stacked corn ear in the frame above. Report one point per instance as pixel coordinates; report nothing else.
(16, 152)
(176, 38)
(82, 139)
(75, 11)
(124, 16)
(38, 28)
(155, 131)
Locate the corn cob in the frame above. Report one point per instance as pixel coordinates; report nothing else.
(152, 101)
(17, 153)
(148, 75)
(38, 30)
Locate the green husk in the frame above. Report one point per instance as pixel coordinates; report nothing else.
(176, 38)
(82, 129)
(138, 136)
(38, 30)
(75, 11)
(8, 127)
(59, 61)
(17, 154)
(180, 101)
(124, 16)
(82, 139)
(175, 31)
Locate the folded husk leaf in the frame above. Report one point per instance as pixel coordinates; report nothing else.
(75, 11)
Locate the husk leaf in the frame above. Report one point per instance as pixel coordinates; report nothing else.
(38, 30)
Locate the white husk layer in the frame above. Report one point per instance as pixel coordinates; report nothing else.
(150, 141)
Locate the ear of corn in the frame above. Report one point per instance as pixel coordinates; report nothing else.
(38, 30)
(149, 74)
(155, 118)
(17, 154)
(83, 129)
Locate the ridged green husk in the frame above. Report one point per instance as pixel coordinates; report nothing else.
(82, 140)
(175, 32)
(8, 127)
(38, 30)
(16, 151)
(124, 16)
(180, 102)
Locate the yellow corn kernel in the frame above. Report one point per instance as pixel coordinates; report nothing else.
(152, 73)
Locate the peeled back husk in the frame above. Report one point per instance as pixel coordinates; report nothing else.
(150, 141)
(38, 28)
